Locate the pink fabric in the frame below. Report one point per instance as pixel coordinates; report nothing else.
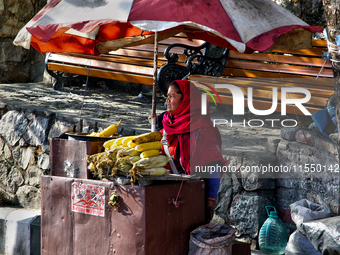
(187, 124)
(207, 13)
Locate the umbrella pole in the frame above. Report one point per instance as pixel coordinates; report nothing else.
(154, 94)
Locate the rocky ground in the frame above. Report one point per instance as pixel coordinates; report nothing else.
(112, 103)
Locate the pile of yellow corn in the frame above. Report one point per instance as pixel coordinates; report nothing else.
(151, 163)
(135, 155)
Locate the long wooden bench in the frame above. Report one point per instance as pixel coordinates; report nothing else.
(263, 71)
(204, 63)
(131, 64)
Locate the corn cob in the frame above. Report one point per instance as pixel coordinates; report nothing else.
(110, 130)
(149, 153)
(148, 146)
(133, 159)
(119, 141)
(93, 134)
(131, 144)
(155, 171)
(148, 137)
(156, 161)
(126, 140)
(107, 145)
(126, 151)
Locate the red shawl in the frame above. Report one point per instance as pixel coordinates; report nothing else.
(200, 143)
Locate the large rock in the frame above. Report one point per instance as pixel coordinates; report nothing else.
(12, 126)
(248, 213)
(43, 161)
(288, 133)
(14, 179)
(36, 132)
(7, 156)
(29, 197)
(253, 175)
(33, 176)
(24, 156)
(224, 196)
(58, 128)
(2, 144)
(3, 171)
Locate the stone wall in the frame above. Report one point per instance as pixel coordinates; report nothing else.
(16, 63)
(304, 166)
(25, 148)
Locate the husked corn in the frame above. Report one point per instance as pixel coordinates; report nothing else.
(149, 153)
(107, 145)
(110, 130)
(126, 140)
(119, 141)
(93, 134)
(156, 161)
(131, 144)
(149, 146)
(148, 137)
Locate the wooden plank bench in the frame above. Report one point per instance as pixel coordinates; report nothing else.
(263, 72)
(202, 62)
(131, 64)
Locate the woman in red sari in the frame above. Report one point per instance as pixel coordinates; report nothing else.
(193, 140)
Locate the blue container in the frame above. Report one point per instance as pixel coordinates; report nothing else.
(273, 234)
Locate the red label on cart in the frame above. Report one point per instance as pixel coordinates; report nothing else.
(88, 199)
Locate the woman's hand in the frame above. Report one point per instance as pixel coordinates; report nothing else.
(152, 116)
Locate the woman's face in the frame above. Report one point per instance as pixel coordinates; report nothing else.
(174, 99)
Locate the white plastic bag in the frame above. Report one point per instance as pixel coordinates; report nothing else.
(302, 211)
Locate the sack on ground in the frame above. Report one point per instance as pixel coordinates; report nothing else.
(211, 239)
(303, 211)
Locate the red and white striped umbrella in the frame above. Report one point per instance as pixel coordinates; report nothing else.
(99, 26)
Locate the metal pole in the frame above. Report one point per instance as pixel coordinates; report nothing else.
(154, 96)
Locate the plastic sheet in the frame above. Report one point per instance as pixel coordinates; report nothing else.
(304, 211)
(324, 234)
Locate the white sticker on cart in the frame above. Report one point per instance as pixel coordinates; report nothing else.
(88, 199)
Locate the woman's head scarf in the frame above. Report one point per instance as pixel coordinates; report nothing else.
(187, 124)
(187, 117)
